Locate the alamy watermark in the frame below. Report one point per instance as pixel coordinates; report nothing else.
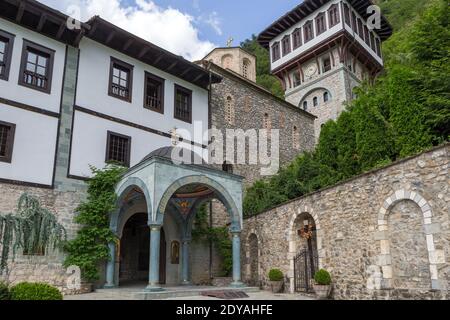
(258, 147)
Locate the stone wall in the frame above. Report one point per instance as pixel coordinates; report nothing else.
(46, 268)
(339, 81)
(382, 235)
(250, 104)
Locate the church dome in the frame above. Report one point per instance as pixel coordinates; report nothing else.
(166, 152)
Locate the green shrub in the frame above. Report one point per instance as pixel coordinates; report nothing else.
(35, 291)
(4, 291)
(275, 275)
(322, 277)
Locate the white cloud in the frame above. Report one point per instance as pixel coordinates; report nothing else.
(214, 21)
(166, 27)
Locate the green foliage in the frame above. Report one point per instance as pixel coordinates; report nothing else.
(33, 228)
(276, 275)
(263, 76)
(220, 237)
(260, 196)
(4, 292)
(400, 12)
(322, 277)
(405, 112)
(90, 247)
(35, 291)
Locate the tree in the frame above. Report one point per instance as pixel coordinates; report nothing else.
(33, 229)
(405, 111)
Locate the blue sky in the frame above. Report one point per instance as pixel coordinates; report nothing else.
(238, 18)
(190, 28)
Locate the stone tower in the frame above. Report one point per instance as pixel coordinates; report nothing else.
(322, 49)
(235, 59)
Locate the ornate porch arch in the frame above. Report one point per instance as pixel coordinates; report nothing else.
(435, 257)
(122, 190)
(159, 178)
(221, 193)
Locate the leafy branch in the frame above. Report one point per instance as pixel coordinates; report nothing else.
(33, 229)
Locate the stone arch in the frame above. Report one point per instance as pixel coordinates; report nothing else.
(246, 64)
(123, 190)
(221, 193)
(384, 262)
(291, 234)
(314, 90)
(252, 265)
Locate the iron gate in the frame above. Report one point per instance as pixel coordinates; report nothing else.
(306, 264)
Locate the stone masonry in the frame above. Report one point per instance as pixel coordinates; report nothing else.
(382, 235)
(251, 104)
(339, 82)
(46, 268)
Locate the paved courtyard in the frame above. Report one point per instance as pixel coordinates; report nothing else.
(133, 293)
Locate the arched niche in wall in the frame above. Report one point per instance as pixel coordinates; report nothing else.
(227, 61)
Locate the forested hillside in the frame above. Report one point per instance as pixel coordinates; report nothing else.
(405, 112)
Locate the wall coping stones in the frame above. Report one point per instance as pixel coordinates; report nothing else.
(443, 148)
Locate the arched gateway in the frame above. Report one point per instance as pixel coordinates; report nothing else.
(169, 194)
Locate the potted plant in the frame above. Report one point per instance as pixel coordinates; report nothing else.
(322, 286)
(276, 280)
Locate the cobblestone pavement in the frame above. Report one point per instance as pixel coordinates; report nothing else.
(262, 295)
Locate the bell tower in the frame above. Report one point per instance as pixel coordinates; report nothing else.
(235, 59)
(322, 49)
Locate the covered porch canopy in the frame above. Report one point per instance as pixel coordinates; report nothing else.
(182, 188)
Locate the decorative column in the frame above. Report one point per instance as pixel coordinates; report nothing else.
(237, 260)
(155, 236)
(111, 266)
(185, 263)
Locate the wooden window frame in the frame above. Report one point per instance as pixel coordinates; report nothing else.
(347, 15)
(286, 45)
(108, 142)
(321, 23)
(189, 92)
(354, 22)
(49, 68)
(297, 34)
(9, 39)
(378, 47)
(295, 74)
(372, 41)
(161, 82)
(308, 36)
(366, 35)
(360, 28)
(122, 64)
(276, 49)
(324, 66)
(9, 142)
(331, 10)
